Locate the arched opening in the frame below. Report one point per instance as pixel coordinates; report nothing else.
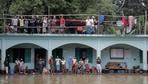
(122, 53)
(30, 53)
(75, 50)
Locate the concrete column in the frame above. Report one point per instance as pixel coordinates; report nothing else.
(3, 54)
(33, 57)
(49, 54)
(98, 53)
(145, 66)
(98, 50)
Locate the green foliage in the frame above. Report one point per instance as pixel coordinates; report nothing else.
(26, 7)
(55, 6)
(134, 7)
(68, 7)
(103, 7)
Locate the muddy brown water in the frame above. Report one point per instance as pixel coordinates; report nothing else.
(75, 79)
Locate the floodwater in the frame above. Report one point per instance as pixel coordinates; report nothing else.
(75, 79)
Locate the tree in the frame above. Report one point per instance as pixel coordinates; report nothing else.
(133, 7)
(27, 7)
(103, 7)
(55, 6)
(129, 7)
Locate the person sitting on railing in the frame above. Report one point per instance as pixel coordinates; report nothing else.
(62, 24)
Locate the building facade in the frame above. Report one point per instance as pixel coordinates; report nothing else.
(131, 49)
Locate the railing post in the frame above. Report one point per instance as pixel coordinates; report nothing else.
(145, 22)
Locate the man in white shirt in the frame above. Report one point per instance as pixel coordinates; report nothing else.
(89, 25)
(15, 23)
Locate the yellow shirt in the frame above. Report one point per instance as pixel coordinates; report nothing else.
(21, 22)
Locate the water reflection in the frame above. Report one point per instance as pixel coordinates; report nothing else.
(74, 79)
(145, 80)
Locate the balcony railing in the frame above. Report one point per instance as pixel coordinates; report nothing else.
(74, 24)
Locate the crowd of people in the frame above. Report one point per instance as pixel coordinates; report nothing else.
(74, 66)
(61, 24)
(18, 68)
(44, 24)
(56, 66)
(35, 24)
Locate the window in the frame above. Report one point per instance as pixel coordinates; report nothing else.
(27, 55)
(117, 53)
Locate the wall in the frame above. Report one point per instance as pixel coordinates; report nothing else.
(131, 57)
(31, 64)
(69, 50)
(97, 42)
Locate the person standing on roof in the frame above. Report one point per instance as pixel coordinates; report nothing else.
(62, 24)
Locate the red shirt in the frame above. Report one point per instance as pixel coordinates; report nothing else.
(50, 61)
(124, 21)
(62, 20)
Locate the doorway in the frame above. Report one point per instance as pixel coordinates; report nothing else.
(40, 53)
(57, 52)
(82, 53)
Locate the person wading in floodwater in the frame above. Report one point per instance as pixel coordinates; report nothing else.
(6, 64)
(99, 68)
